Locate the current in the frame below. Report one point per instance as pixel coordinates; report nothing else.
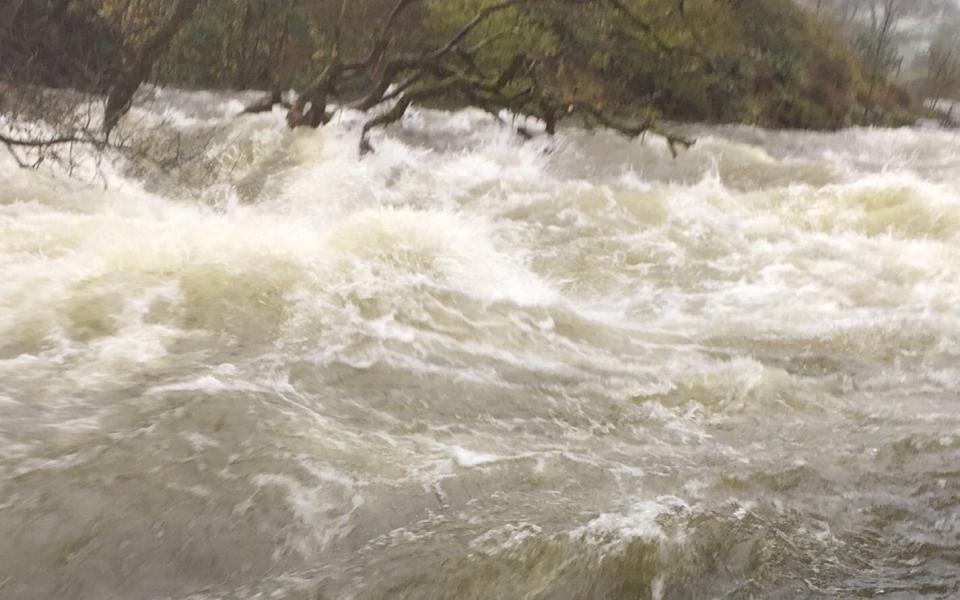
(468, 366)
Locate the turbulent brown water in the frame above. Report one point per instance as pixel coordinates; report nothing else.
(470, 367)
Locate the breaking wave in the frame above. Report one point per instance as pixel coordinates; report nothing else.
(467, 366)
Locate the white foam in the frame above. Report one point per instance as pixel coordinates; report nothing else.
(469, 458)
(641, 522)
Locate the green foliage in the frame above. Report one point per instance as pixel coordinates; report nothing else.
(759, 61)
(241, 44)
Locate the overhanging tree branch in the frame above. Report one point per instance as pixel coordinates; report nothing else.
(452, 69)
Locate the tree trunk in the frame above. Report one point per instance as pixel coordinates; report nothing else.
(137, 68)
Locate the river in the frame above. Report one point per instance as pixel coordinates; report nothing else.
(467, 366)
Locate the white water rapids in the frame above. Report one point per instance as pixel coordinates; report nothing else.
(467, 366)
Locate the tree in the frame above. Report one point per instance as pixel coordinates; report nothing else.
(878, 44)
(942, 64)
(139, 60)
(60, 57)
(620, 64)
(477, 59)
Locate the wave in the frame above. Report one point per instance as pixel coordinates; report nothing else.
(568, 367)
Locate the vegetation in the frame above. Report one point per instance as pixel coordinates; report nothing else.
(622, 64)
(941, 65)
(766, 62)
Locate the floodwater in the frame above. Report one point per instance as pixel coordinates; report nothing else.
(467, 366)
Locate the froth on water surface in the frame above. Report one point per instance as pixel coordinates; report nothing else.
(467, 366)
